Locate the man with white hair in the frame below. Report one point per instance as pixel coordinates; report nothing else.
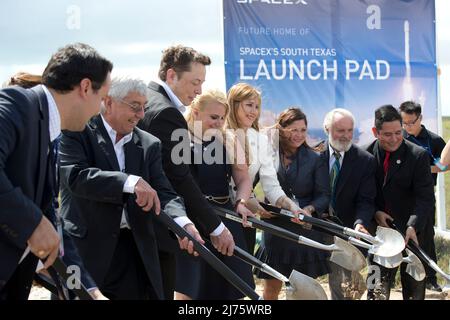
(107, 202)
(352, 183)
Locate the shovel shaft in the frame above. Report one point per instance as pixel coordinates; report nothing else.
(279, 232)
(425, 258)
(251, 260)
(417, 250)
(321, 223)
(210, 258)
(79, 289)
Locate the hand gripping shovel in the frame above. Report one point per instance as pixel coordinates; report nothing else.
(344, 254)
(298, 287)
(386, 243)
(210, 258)
(414, 268)
(412, 246)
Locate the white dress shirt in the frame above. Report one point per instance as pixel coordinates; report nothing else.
(54, 119)
(172, 96)
(132, 180)
(333, 159)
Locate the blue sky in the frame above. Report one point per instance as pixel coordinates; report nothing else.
(132, 34)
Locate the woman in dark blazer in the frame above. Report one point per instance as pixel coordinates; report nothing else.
(304, 178)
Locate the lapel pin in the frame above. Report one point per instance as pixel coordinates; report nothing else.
(399, 161)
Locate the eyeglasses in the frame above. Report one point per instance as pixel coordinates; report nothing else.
(135, 107)
(410, 124)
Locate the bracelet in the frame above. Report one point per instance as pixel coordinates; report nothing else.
(238, 202)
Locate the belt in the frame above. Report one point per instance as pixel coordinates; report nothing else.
(219, 200)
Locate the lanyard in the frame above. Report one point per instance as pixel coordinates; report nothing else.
(426, 147)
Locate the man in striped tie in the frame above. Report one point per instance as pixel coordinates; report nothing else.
(352, 182)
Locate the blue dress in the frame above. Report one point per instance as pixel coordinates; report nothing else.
(306, 180)
(194, 277)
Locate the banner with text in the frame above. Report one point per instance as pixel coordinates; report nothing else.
(321, 54)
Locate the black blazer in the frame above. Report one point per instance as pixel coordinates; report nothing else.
(162, 119)
(24, 142)
(92, 197)
(408, 191)
(355, 189)
(308, 180)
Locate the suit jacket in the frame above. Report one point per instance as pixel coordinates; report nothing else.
(408, 191)
(92, 198)
(355, 188)
(24, 193)
(308, 181)
(162, 119)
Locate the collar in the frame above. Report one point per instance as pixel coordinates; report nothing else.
(175, 100)
(423, 134)
(112, 133)
(54, 118)
(332, 150)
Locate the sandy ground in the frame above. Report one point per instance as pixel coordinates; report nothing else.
(39, 293)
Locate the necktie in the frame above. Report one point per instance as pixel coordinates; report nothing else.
(385, 170)
(386, 163)
(334, 177)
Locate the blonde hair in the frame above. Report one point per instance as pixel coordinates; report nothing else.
(199, 104)
(201, 101)
(238, 93)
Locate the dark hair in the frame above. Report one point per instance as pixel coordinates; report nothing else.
(73, 63)
(286, 118)
(411, 107)
(179, 58)
(24, 80)
(386, 113)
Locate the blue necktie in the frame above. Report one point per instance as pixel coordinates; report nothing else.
(334, 174)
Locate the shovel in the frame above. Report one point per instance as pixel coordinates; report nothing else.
(298, 287)
(344, 254)
(210, 258)
(411, 245)
(386, 243)
(414, 267)
(57, 284)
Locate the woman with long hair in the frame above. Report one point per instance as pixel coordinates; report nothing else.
(303, 175)
(212, 168)
(242, 124)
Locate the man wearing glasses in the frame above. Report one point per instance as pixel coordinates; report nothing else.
(107, 202)
(415, 131)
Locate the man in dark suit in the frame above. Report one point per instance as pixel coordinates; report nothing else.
(182, 73)
(352, 184)
(415, 131)
(106, 196)
(74, 82)
(404, 194)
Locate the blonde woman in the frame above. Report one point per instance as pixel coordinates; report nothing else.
(242, 121)
(212, 170)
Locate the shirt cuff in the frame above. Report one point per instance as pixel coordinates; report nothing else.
(129, 185)
(218, 230)
(182, 221)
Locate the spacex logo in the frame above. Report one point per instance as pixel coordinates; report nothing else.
(273, 1)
